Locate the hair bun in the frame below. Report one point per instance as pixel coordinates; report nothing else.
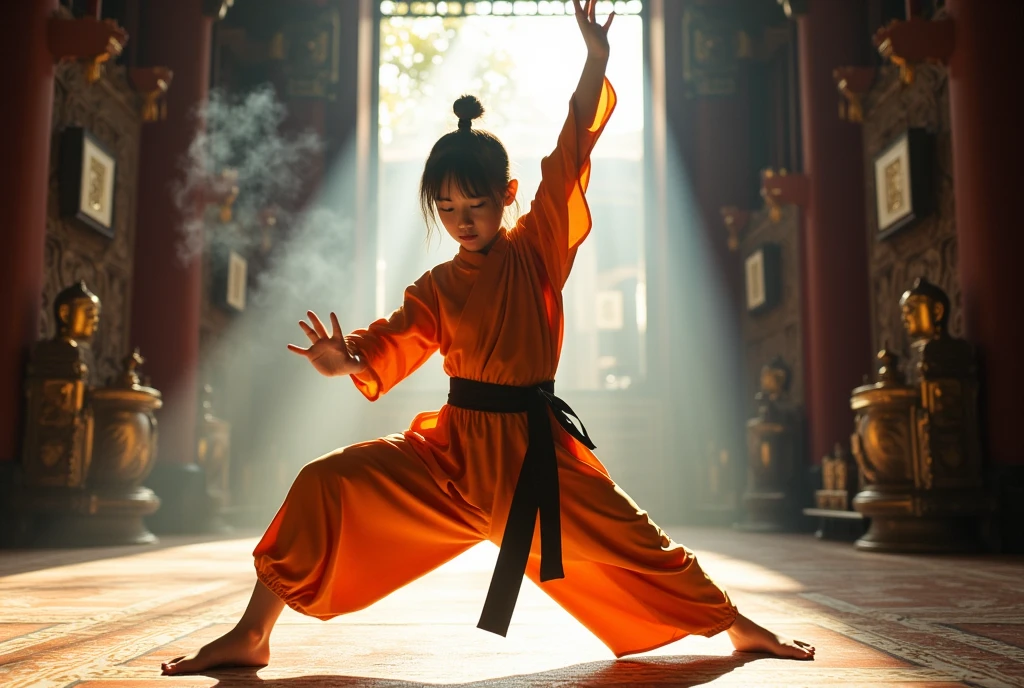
(467, 108)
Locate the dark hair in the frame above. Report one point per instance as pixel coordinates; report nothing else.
(473, 160)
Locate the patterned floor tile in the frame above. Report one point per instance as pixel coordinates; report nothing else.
(107, 619)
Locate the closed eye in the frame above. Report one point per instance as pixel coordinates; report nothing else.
(448, 210)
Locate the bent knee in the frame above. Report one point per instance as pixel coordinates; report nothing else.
(349, 463)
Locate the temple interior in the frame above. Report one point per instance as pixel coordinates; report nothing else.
(792, 333)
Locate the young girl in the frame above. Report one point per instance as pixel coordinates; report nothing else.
(364, 521)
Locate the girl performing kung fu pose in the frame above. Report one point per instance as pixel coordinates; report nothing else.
(365, 520)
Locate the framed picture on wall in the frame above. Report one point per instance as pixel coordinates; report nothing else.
(903, 181)
(230, 278)
(763, 278)
(87, 177)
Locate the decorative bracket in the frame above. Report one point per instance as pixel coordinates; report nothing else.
(916, 40)
(88, 39)
(780, 189)
(735, 222)
(853, 83)
(152, 84)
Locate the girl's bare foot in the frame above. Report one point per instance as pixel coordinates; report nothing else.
(747, 636)
(237, 647)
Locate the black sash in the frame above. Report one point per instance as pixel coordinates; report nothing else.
(536, 489)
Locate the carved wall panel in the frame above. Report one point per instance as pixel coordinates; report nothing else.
(777, 332)
(927, 248)
(109, 110)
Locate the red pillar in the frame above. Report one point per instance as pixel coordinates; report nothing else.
(987, 149)
(25, 123)
(837, 322)
(167, 302)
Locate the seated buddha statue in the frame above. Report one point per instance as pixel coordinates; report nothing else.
(944, 369)
(933, 352)
(769, 498)
(59, 421)
(76, 313)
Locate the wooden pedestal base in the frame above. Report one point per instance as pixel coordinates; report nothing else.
(767, 512)
(81, 518)
(917, 521)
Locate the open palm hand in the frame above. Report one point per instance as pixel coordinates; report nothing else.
(328, 353)
(594, 34)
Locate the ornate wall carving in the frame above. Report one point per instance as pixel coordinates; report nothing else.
(927, 248)
(109, 110)
(778, 332)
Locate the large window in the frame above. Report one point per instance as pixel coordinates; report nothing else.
(522, 59)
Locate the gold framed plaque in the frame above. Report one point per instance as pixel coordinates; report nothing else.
(230, 279)
(903, 181)
(762, 270)
(88, 175)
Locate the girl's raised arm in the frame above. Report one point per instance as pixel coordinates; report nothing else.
(588, 90)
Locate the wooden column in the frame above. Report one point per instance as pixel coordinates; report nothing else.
(166, 303)
(837, 331)
(987, 149)
(25, 122)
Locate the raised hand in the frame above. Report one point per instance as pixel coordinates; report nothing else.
(595, 35)
(327, 353)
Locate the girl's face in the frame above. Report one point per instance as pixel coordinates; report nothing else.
(473, 222)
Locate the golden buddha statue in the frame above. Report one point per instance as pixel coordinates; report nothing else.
(916, 441)
(59, 422)
(770, 500)
(934, 353)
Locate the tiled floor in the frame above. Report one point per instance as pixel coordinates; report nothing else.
(105, 618)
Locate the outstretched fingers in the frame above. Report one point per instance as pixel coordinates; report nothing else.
(586, 14)
(299, 350)
(335, 327)
(310, 332)
(318, 326)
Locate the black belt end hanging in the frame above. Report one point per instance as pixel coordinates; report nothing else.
(536, 491)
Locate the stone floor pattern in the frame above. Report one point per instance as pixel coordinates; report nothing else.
(107, 618)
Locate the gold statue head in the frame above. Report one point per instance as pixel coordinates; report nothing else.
(925, 310)
(774, 378)
(77, 313)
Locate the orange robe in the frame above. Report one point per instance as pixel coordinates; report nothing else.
(367, 519)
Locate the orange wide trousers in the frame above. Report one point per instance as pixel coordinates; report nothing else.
(363, 521)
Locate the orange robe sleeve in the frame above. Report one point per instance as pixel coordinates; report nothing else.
(559, 218)
(394, 347)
